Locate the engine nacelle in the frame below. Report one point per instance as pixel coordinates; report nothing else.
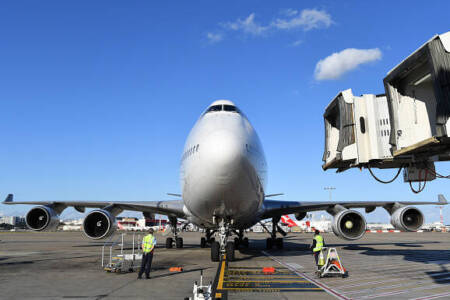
(407, 218)
(300, 216)
(99, 224)
(349, 224)
(42, 218)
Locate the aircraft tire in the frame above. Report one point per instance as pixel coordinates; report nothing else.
(202, 242)
(279, 243)
(236, 242)
(229, 250)
(215, 251)
(169, 242)
(245, 242)
(269, 243)
(179, 242)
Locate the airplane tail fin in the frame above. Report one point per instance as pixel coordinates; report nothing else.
(442, 199)
(9, 199)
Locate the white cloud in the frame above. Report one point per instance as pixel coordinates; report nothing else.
(248, 25)
(296, 43)
(289, 12)
(214, 37)
(307, 19)
(337, 64)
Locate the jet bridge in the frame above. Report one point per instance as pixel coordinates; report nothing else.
(407, 127)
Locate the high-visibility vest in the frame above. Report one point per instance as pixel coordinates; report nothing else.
(148, 243)
(319, 243)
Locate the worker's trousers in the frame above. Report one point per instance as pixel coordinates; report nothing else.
(146, 264)
(316, 257)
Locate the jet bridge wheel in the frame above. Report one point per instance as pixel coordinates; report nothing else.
(229, 250)
(179, 242)
(215, 251)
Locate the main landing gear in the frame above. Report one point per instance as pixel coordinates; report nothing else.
(178, 241)
(208, 239)
(273, 240)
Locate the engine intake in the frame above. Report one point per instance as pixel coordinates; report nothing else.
(42, 218)
(407, 218)
(300, 216)
(349, 225)
(99, 224)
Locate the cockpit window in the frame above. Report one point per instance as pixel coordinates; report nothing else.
(215, 108)
(230, 108)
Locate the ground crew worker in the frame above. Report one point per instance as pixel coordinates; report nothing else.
(148, 244)
(317, 245)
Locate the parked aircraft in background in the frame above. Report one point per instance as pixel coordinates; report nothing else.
(223, 179)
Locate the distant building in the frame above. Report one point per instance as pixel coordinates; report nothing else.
(13, 220)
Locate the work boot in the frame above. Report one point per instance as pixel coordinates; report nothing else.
(147, 277)
(139, 277)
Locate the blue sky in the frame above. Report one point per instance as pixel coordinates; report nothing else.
(97, 97)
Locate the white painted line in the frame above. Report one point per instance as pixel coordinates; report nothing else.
(432, 296)
(294, 265)
(327, 289)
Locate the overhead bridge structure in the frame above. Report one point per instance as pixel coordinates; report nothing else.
(407, 128)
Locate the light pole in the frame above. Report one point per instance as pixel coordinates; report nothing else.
(330, 189)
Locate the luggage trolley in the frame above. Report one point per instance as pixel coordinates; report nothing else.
(331, 264)
(122, 262)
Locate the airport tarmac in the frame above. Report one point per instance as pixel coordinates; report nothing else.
(61, 265)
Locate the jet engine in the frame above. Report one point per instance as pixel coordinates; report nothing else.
(99, 224)
(300, 216)
(407, 218)
(349, 224)
(42, 218)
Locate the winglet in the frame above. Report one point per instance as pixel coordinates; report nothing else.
(442, 199)
(9, 198)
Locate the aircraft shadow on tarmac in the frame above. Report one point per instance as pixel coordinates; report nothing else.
(437, 257)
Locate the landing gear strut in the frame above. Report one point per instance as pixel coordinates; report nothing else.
(273, 240)
(178, 240)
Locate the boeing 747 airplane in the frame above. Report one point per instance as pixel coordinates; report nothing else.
(223, 177)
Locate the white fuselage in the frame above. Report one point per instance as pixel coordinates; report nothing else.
(223, 171)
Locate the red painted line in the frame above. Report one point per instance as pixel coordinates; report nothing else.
(432, 296)
(318, 283)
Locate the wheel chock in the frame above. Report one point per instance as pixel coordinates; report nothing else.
(176, 269)
(268, 270)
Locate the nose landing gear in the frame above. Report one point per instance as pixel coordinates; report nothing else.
(176, 239)
(223, 246)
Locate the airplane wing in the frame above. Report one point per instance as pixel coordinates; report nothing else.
(169, 208)
(277, 208)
